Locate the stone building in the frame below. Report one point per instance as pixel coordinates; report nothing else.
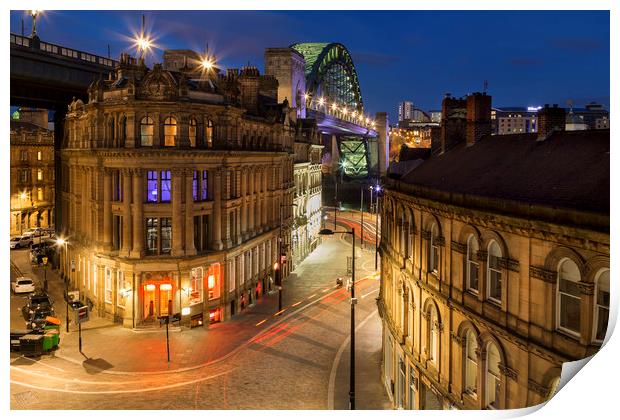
(172, 183)
(32, 171)
(287, 66)
(495, 267)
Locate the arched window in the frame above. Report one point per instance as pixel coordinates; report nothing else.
(410, 236)
(494, 273)
(433, 335)
(601, 306)
(193, 124)
(472, 264)
(493, 379)
(209, 133)
(123, 132)
(471, 362)
(111, 132)
(433, 259)
(170, 131)
(146, 131)
(409, 310)
(569, 297)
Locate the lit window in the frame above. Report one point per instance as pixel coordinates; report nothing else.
(196, 286)
(170, 131)
(108, 285)
(192, 132)
(151, 187)
(158, 235)
(199, 185)
(121, 290)
(94, 279)
(146, 131)
(209, 133)
(434, 249)
(165, 186)
(39, 157)
(152, 233)
(471, 362)
(433, 334)
(494, 274)
(213, 281)
(166, 235)
(601, 311)
(492, 377)
(472, 264)
(412, 388)
(39, 175)
(569, 300)
(40, 194)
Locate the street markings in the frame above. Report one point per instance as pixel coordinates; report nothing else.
(372, 291)
(280, 312)
(295, 304)
(262, 322)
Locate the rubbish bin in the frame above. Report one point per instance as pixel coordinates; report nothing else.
(52, 336)
(31, 344)
(15, 336)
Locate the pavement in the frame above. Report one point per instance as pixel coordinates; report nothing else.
(282, 346)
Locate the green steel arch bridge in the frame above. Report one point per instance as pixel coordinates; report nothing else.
(334, 98)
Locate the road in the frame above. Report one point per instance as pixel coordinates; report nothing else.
(294, 360)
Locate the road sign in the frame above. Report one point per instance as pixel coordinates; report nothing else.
(44, 259)
(81, 314)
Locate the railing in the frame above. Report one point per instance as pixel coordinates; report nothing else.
(25, 41)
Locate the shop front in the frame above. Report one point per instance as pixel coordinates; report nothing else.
(157, 295)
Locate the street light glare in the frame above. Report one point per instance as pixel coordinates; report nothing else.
(207, 64)
(35, 13)
(60, 241)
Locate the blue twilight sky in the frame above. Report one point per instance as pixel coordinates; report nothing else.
(528, 57)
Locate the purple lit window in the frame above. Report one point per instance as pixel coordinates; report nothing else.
(195, 186)
(165, 186)
(151, 187)
(203, 189)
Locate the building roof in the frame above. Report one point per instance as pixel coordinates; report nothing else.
(568, 170)
(26, 125)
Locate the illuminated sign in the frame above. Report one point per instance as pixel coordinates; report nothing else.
(534, 108)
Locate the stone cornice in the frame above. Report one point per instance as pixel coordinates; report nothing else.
(543, 274)
(509, 264)
(458, 247)
(508, 371)
(541, 390)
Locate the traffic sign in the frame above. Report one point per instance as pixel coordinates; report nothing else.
(81, 314)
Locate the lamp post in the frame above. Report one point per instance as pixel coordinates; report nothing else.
(353, 303)
(34, 14)
(63, 244)
(378, 188)
(278, 266)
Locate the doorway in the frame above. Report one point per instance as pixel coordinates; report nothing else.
(157, 300)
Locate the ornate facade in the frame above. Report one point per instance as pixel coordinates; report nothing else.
(32, 171)
(495, 269)
(172, 183)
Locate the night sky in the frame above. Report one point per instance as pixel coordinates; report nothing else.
(528, 58)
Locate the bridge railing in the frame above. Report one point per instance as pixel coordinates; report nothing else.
(49, 48)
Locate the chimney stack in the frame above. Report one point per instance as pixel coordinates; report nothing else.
(550, 119)
(478, 117)
(452, 124)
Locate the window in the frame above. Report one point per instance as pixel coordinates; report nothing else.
(166, 235)
(108, 285)
(410, 316)
(40, 194)
(492, 377)
(412, 388)
(569, 300)
(23, 155)
(471, 362)
(120, 289)
(117, 186)
(158, 186)
(158, 235)
(472, 264)
(209, 133)
(433, 334)
(117, 232)
(170, 131)
(494, 274)
(24, 175)
(39, 175)
(195, 288)
(201, 232)
(601, 310)
(434, 249)
(94, 279)
(213, 281)
(192, 132)
(402, 380)
(199, 186)
(146, 131)
(152, 233)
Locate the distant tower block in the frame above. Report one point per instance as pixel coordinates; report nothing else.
(383, 142)
(287, 66)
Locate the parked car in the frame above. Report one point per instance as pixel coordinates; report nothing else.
(39, 300)
(36, 319)
(21, 241)
(23, 285)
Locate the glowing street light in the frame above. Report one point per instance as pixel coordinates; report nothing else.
(207, 64)
(34, 14)
(321, 101)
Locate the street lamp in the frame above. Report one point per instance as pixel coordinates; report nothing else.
(63, 244)
(278, 265)
(378, 190)
(353, 302)
(34, 14)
